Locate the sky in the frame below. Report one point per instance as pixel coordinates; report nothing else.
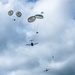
(56, 37)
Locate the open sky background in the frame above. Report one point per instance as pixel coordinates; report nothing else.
(56, 38)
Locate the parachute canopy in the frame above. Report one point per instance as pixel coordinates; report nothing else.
(10, 13)
(18, 14)
(38, 16)
(31, 19)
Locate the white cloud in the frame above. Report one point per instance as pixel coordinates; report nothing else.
(55, 38)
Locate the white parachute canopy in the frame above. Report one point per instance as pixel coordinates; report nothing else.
(10, 12)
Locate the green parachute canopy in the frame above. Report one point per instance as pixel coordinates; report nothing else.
(38, 16)
(10, 12)
(18, 14)
(31, 19)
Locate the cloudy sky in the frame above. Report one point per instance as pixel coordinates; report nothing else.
(56, 38)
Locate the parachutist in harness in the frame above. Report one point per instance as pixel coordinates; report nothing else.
(14, 19)
(37, 32)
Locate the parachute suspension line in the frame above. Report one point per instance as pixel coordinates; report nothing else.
(31, 19)
(36, 29)
(35, 34)
(45, 28)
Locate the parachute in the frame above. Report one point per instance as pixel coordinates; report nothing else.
(10, 13)
(38, 16)
(31, 19)
(18, 14)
